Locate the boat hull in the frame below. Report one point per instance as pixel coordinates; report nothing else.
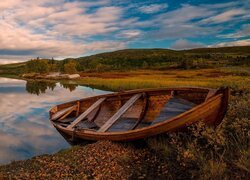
(211, 112)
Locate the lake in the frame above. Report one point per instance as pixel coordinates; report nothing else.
(25, 129)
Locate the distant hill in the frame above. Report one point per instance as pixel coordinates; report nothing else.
(234, 49)
(143, 54)
(138, 53)
(14, 68)
(130, 58)
(136, 58)
(126, 59)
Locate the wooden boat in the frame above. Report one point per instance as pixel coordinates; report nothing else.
(137, 114)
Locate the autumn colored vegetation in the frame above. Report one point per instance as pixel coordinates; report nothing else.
(46, 66)
(134, 59)
(200, 153)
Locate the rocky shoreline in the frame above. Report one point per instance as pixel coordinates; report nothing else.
(100, 160)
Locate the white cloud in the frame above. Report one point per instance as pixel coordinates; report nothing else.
(19, 39)
(53, 28)
(73, 23)
(153, 8)
(8, 3)
(245, 42)
(8, 61)
(62, 28)
(130, 34)
(225, 16)
(196, 20)
(5, 59)
(185, 44)
(243, 32)
(182, 23)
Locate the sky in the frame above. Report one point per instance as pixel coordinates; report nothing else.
(75, 28)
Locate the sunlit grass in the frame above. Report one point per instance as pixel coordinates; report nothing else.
(212, 78)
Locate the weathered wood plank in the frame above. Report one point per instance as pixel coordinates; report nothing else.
(62, 112)
(143, 111)
(86, 113)
(78, 108)
(119, 113)
(66, 114)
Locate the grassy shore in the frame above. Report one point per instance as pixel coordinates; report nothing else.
(237, 78)
(203, 153)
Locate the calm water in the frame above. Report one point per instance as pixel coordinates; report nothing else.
(25, 130)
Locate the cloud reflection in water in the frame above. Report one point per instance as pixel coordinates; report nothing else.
(25, 130)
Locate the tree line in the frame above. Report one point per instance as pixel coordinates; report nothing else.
(50, 65)
(137, 59)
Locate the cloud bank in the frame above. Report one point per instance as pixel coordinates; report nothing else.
(63, 28)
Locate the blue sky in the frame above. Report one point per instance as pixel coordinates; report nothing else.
(73, 28)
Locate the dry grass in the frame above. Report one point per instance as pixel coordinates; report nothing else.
(206, 153)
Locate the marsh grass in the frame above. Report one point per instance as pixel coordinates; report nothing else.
(173, 78)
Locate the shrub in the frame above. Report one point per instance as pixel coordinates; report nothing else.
(37, 66)
(207, 153)
(70, 67)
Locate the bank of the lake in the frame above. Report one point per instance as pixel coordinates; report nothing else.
(235, 77)
(203, 153)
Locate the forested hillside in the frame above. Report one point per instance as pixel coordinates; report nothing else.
(132, 59)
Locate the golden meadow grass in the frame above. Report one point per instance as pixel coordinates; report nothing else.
(174, 78)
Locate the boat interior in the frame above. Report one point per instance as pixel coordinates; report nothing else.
(119, 112)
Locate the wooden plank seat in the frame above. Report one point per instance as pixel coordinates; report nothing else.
(119, 113)
(86, 113)
(61, 113)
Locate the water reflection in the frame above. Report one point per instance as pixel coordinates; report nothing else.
(39, 87)
(71, 87)
(25, 130)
